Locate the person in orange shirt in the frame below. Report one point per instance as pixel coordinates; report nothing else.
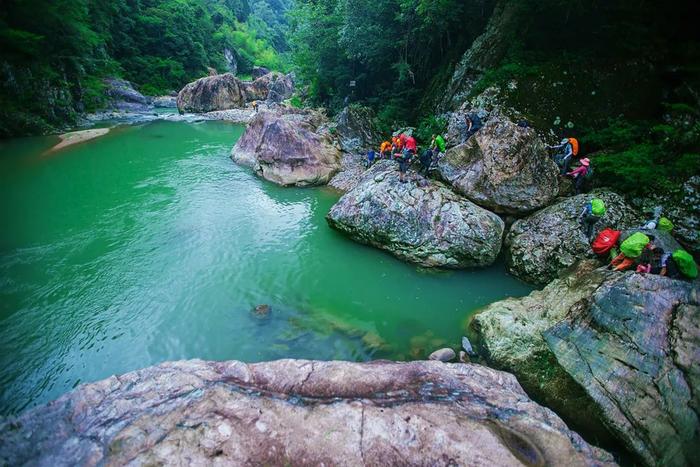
(385, 150)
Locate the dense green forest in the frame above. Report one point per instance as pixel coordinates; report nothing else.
(55, 52)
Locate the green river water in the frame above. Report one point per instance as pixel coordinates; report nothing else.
(150, 244)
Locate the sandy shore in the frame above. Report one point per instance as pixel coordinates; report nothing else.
(75, 137)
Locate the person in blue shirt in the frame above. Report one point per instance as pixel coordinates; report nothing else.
(371, 156)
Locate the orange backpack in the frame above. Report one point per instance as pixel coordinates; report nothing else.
(574, 146)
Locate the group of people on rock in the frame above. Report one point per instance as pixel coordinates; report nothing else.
(567, 151)
(638, 251)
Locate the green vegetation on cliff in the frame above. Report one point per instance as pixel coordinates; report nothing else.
(54, 53)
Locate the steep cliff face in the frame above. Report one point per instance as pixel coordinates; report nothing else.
(294, 412)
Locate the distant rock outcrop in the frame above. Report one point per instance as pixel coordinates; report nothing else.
(541, 246)
(355, 129)
(122, 96)
(419, 221)
(220, 92)
(503, 167)
(602, 348)
(296, 412)
(288, 149)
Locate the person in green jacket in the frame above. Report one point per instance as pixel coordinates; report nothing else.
(439, 147)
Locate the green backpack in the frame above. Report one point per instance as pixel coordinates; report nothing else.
(597, 207)
(634, 245)
(686, 263)
(665, 224)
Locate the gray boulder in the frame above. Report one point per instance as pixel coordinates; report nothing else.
(443, 355)
(219, 92)
(272, 87)
(287, 148)
(352, 169)
(165, 102)
(355, 129)
(503, 168)
(607, 349)
(295, 412)
(259, 71)
(123, 97)
(420, 221)
(541, 246)
(281, 89)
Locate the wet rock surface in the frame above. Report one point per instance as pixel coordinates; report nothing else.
(219, 92)
(543, 245)
(298, 413)
(503, 168)
(618, 350)
(287, 148)
(420, 221)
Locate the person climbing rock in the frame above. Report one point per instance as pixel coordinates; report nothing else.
(396, 145)
(654, 221)
(369, 160)
(404, 160)
(385, 150)
(255, 106)
(473, 122)
(426, 161)
(631, 250)
(567, 149)
(579, 174)
(438, 146)
(592, 212)
(411, 145)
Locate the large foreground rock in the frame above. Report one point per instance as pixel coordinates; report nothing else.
(541, 246)
(288, 149)
(219, 92)
(297, 413)
(620, 350)
(420, 221)
(503, 168)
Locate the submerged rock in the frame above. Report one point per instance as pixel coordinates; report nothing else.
(619, 350)
(262, 311)
(420, 221)
(297, 412)
(287, 149)
(443, 355)
(503, 167)
(355, 129)
(541, 246)
(219, 92)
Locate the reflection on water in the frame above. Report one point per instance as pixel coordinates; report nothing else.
(149, 244)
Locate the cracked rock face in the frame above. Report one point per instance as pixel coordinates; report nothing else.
(420, 221)
(219, 92)
(503, 168)
(543, 245)
(287, 149)
(355, 129)
(620, 350)
(293, 412)
(352, 170)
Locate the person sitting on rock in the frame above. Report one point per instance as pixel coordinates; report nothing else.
(404, 160)
(426, 161)
(371, 155)
(385, 150)
(579, 174)
(592, 212)
(566, 150)
(474, 124)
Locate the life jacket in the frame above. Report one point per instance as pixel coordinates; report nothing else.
(386, 145)
(411, 144)
(402, 139)
(574, 146)
(605, 241)
(397, 142)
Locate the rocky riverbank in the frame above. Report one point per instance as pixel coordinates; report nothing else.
(299, 413)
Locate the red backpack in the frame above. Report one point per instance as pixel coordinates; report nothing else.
(605, 240)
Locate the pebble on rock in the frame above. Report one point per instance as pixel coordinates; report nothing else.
(443, 355)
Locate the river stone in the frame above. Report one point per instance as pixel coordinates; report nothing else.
(355, 129)
(286, 148)
(296, 412)
(503, 167)
(541, 246)
(352, 169)
(443, 355)
(607, 349)
(420, 221)
(219, 92)
(122, 96)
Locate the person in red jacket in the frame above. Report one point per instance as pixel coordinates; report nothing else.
(411, 144)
